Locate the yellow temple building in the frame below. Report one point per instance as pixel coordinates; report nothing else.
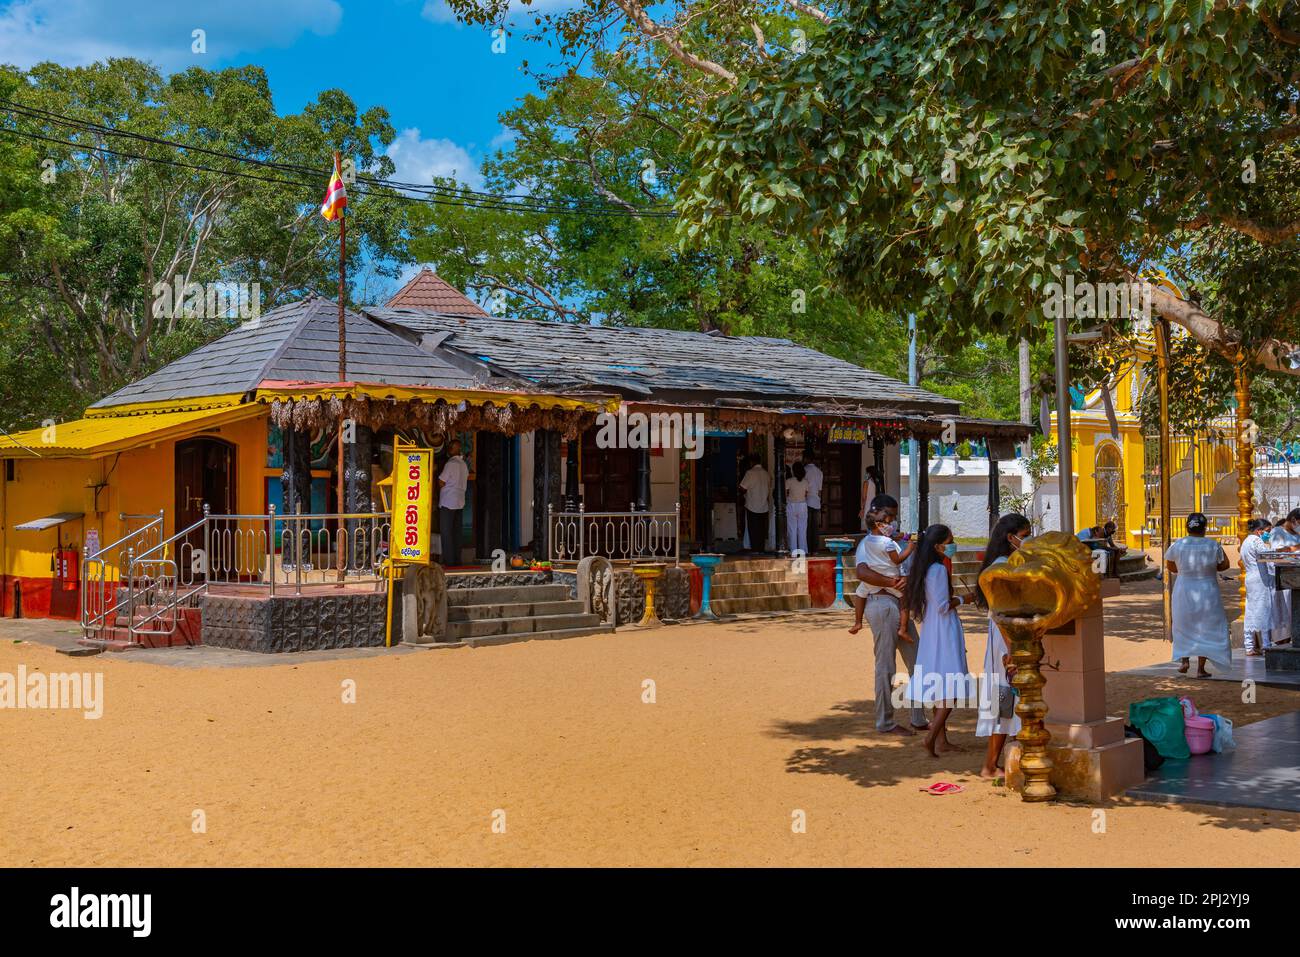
(1117, 467)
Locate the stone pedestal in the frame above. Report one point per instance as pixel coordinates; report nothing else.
(1286, 657)
(1091, 758)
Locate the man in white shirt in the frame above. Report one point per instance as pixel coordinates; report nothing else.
(757, 486)
(813, 476)
(878, 560)
(452, 483)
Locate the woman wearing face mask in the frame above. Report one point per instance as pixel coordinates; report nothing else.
(1257, 622)
(941, 678)
(1008, 535)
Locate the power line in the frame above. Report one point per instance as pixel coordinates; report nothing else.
(444, 196)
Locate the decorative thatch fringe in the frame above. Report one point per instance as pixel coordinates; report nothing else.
(437, 417)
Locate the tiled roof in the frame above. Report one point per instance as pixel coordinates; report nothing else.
(664, 364)
(429, 292)
(297, 342)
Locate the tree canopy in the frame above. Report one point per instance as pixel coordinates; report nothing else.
(953, 159)
(92, 222)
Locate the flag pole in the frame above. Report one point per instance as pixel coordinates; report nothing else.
(343, 371)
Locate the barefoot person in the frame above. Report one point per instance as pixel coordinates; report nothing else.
(877, 560)
(1200, 625)
(1257, 622)
(940, 677)
(1007, 536)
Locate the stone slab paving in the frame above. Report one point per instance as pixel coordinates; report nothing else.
(1263, 771)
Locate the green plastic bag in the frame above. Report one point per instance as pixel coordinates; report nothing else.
(1161, 722)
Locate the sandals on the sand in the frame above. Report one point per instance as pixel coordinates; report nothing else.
(943, 787)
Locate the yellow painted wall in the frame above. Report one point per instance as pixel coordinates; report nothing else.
(138, 481)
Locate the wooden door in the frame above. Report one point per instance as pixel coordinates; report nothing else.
(608, 476)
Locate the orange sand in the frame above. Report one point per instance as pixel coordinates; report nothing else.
(752, 722)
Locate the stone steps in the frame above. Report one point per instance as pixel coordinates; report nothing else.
(488, 614)
(760, 589)
(507, 595)
(723, 578)
(488, 627)
(516, 610)
(753, 604)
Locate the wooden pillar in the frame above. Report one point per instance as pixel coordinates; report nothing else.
(356, 485)
(922, 479)
(571, 476)
(642, 503)
(778, 492)
(546, 487)
(703, 499)
(295, 484)
(878, 460)
(995, 488)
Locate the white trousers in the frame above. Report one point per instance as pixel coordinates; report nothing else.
(796, 526)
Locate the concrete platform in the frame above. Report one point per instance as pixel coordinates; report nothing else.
(1263, 772)
(1243, 668)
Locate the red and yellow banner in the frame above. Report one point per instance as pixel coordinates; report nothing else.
(413, 483)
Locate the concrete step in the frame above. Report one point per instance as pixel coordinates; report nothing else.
(487, 627)
(740, 606)
(1145, 574)
(755, 565)
(733, 578)
(507, 595)
(519, 610)
(761, 589)
(541, 635)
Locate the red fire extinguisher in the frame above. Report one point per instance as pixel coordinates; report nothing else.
(66, 569)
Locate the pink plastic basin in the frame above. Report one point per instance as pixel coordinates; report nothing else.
(1200, 734)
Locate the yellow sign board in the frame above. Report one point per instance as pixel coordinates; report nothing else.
(413, 483)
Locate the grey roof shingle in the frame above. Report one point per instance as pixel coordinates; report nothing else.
(663, 363)
(298, 341)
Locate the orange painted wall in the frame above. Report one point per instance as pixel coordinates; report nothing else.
(138, 481)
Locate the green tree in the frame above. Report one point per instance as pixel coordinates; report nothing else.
(939, 179)
(99, 222)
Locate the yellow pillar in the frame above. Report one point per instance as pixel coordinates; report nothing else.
(1245, 460)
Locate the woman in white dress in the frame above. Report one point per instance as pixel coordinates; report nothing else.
(870, 489)
(1258, 619)
(1008, 535)
(1200, 625)
(941, 677)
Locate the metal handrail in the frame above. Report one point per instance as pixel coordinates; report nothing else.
(620, 536)
(94, 621)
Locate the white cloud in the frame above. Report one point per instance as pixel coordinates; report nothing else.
(77, 32)
(419, 160)
(504, 138)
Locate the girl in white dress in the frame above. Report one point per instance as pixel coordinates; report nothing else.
(941, 677)
(1008, 535)
(1200, 625)
(1258, 618)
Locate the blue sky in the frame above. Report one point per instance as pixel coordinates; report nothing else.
(442, 83)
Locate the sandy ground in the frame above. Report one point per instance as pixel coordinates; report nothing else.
(751, 723)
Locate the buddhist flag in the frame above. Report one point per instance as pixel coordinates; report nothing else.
(336, 197)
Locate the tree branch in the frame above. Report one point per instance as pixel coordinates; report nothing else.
(667, 36)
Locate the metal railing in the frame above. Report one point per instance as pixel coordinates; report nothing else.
(619, 536)
(155, 577)
(105, 571)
